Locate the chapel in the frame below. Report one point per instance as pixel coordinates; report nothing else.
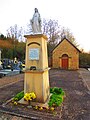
(65, 55)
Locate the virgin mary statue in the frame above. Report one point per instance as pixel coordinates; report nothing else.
(36, 22)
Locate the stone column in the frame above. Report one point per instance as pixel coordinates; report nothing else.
(36, 73)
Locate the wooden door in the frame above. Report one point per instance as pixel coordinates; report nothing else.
(65, 61)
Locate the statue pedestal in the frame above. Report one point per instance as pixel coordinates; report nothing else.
(36, 73)
(37, 81)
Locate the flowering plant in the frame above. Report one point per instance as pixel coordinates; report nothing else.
(29, 96)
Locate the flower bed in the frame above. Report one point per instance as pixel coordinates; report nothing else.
(55, 100)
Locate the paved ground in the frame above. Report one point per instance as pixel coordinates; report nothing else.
(10, 80)
(76, 104)
(85, 74)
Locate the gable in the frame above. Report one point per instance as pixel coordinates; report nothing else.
(65, 44)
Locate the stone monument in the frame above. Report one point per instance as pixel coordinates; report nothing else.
(36, 73)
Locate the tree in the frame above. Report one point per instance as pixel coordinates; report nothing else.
(11, 49)
(5, 44)
(20, 50)
(52, 30)
(28, 28)
(15, 32)
(6, 47)
(84, 60)
(66, 33)
(2, 37)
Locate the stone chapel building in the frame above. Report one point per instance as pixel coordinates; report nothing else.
(65, 55)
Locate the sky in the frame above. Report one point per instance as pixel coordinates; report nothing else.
(71, 14)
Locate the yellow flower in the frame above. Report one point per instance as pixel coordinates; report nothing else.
(15, 103)
(29, 96)
(13, 100)
(36, 107)
(41, 108)
(47, 108)
(33, 95)
(52, 108)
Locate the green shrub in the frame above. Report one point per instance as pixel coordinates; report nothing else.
(57, 90)
(55, 100)
(19, 96)
(57, 96)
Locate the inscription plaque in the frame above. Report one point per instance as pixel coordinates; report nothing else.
(34, 54)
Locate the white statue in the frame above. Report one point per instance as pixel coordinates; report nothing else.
(36, 22)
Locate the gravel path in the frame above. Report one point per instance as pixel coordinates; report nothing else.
(9, 87)
(10, 79)
(77, 102)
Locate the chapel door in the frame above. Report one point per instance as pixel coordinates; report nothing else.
(64, 61)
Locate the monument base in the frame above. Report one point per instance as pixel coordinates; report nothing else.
(45, 105)
(37, 81)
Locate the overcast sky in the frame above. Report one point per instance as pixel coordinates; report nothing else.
(72, 14)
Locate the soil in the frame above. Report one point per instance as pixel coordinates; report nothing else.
(76, 105)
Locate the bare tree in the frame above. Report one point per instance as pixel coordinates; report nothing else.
(28, 29)
(66, 33)
(15, 32)
(52, 30)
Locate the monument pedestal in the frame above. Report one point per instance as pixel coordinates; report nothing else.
(36, 73)
(37, 81)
